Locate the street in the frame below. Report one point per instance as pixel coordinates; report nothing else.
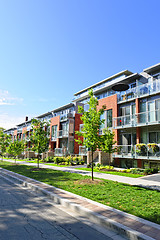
(24, 216)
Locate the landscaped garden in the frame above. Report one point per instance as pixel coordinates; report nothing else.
(134, 200)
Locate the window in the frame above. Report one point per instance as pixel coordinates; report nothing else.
(54, 131)
(109, 118)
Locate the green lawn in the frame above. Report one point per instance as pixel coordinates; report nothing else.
(87, 169)
(113, 173)
(134, 200)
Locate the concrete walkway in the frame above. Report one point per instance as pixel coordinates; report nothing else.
(145, 183)
(129, 226)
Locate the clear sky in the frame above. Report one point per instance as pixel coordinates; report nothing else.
(51, 49)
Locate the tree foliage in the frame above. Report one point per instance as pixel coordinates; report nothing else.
(91, 124)
(39, 137)
(107, 142)
(16, 148)
(5, 140)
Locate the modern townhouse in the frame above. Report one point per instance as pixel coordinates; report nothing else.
(133, 115)
(64, 121)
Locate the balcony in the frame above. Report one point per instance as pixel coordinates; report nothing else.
(54, 138)
(124, 121)
(148, 118)
(82, 151)
(62, 134)
(139, 151)
(139, 119)
(140, 91)
(66, 116)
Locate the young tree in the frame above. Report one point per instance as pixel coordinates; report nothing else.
(39, 137)
(91, 125)
(16, 148)
(107, 142)
(5, 140)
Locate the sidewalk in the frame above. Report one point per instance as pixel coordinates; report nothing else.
(128, 180)
(130, 226)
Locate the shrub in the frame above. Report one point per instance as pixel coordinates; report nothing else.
(58, 160)
(90, 165)
(98, 165)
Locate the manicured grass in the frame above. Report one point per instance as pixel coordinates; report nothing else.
(114, 173)
(134, 200)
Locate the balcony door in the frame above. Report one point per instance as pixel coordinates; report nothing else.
(151, 111)
(158, 110)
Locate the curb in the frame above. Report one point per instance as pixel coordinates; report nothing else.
(96, 217)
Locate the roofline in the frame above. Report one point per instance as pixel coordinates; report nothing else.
(63, 107)
(127, 72)
(10, 129)
(152, 68)
(44, 114)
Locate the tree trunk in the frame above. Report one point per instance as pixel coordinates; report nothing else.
(38, 161)
(92, 164)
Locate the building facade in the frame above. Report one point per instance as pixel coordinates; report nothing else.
(133, 115)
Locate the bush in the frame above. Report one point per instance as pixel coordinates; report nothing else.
(98, 165)
(77, 160)
(58, 160)
(90, 165)
(151, 171)
(141, 149)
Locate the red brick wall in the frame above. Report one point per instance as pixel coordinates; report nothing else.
(54, 121)
(110, 103)
(78, 121)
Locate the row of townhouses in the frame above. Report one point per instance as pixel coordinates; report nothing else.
(133, 115)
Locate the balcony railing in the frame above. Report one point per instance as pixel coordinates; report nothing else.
(61, 152)
(54, 137)
(139, 151)
(144, 118)
(148, 117)
(124, 121)
(65, 117)
(139, 91)
(62, 133)
(82, 151)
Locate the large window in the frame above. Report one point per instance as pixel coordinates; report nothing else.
(109, 118)
(54, 131)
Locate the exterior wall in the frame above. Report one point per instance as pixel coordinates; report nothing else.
(15, 133)
(78, 121)
(54, 121)
(110, 103)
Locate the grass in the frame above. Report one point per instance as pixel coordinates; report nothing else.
(131, 199)
(114, 173)
(86, 169)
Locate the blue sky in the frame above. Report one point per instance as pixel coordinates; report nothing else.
(51, 49)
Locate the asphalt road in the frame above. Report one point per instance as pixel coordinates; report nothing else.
(153, 177)
(24, 216)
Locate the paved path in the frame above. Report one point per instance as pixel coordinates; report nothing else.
(146, 182)
(24, 216)
(131, 226)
